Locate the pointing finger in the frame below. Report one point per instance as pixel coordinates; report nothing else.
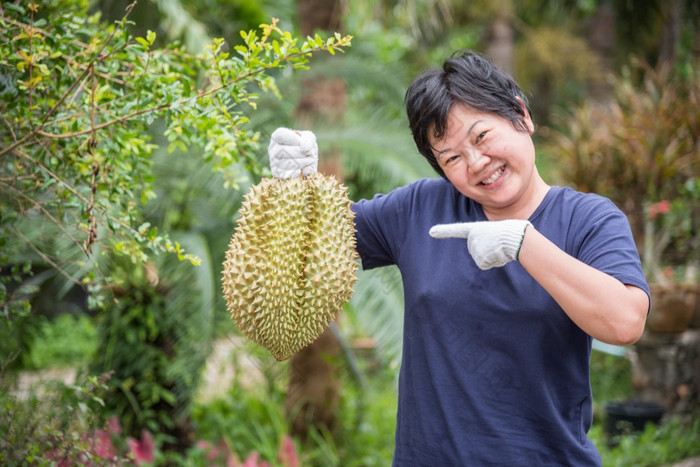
(459, 230)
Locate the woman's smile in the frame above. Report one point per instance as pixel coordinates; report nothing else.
(494, 177)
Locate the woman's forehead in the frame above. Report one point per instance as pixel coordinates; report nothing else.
(460, 122)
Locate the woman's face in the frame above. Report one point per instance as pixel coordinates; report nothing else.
(491, 162)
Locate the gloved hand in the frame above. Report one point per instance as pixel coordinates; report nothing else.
(292, 153)
(491, 243)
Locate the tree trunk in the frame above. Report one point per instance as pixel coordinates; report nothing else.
(319, 14)
(314, 390)
(500, 43)
(671, 34)
(601, 38)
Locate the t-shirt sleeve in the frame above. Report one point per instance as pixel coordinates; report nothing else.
(381, 224)
(605, 242)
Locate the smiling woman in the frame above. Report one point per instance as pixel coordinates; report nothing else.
(498, 329)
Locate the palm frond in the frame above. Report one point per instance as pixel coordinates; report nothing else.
(376, 149)
(180, 24)
(378, 304)
(189, 300)
(191, 195)
(364, 75)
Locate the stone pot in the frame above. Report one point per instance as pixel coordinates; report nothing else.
(628, 416)
(672, 307)
(637, 413)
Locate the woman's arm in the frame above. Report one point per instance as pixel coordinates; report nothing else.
(599, 304)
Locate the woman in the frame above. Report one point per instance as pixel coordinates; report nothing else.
(497, 331)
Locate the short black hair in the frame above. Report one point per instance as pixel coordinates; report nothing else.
(467, 78)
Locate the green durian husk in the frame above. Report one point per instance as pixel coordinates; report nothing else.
(291, 263)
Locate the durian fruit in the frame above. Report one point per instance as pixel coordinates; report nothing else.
(291, 263)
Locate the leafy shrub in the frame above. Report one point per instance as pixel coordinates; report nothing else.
(639, 148)
(58, 428)
(154, 339)
(368, 421)
(78, 98)
(66, 341)
(248, 420)
(611, 377)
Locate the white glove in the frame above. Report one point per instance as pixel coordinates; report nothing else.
(292, 153)
(491, 243)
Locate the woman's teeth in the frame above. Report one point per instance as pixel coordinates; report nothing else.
(494, 177)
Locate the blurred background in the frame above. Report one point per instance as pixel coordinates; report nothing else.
(615, 93)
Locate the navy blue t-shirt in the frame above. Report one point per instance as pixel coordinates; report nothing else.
(493, 371)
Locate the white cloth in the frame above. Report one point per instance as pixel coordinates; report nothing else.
(292, 153)
(491, 243)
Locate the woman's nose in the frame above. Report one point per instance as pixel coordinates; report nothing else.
(476, 160)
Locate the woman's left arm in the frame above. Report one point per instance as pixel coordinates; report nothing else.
(598, 303)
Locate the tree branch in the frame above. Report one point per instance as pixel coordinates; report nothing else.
(46, 258)
(53, 175)
(46, 213)
(163, 107)
(65, 95)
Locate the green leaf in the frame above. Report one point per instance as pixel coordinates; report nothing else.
(142, 41)
(276, 47)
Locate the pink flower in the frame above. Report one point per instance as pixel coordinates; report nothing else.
(55, 456)
(252, 460)
(104, 447)
(217, 453)
(113, 426)
(668, 272)
(286, 453)
(143, 450)
(662, 207)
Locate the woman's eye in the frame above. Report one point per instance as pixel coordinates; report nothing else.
(451, 159)
(481, 136)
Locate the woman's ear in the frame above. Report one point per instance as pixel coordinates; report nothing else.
(527, 119)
